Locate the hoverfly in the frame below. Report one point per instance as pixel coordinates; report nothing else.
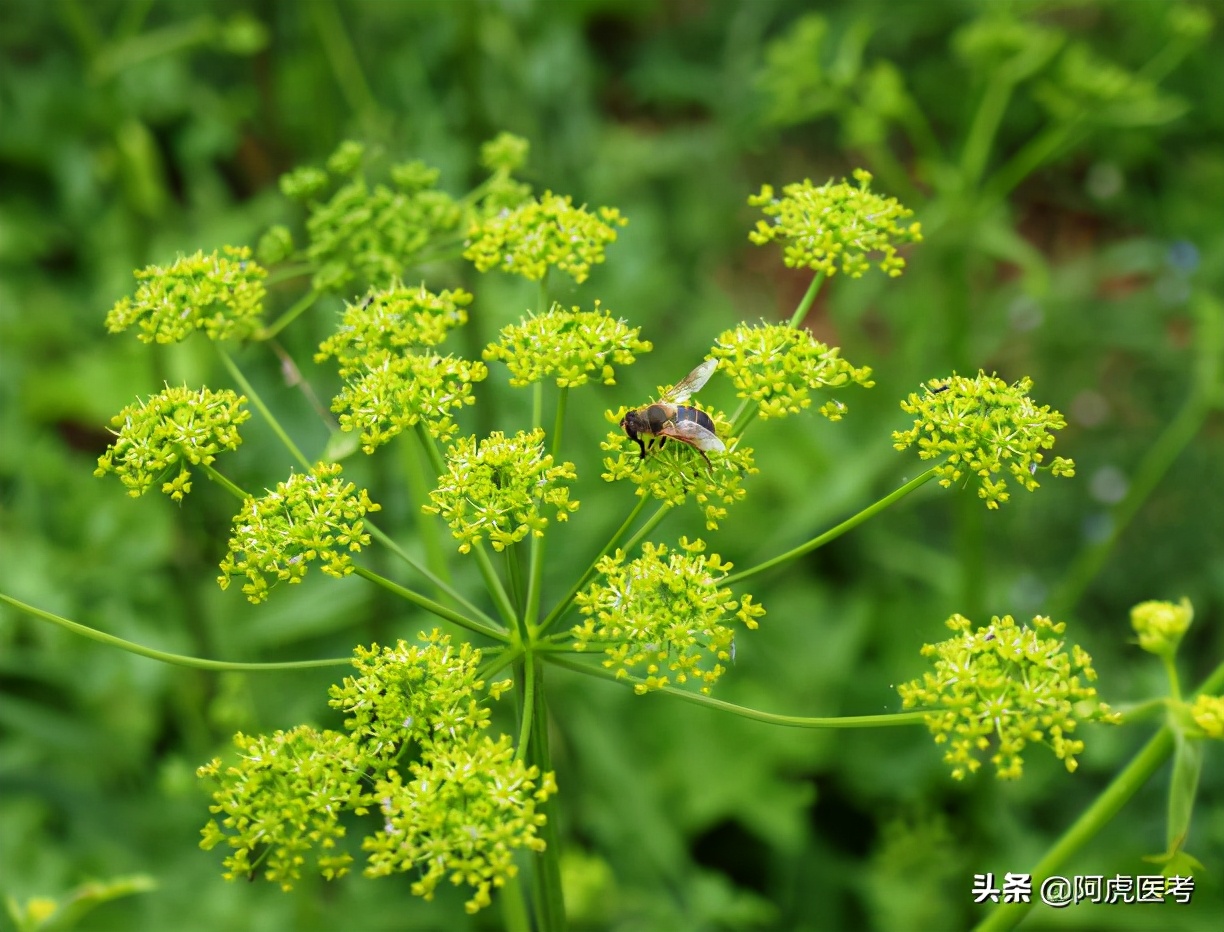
(670, 418)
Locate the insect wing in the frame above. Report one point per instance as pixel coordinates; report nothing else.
(691, 383)
(693, 433)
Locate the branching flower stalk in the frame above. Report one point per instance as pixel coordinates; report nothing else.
(448, 801)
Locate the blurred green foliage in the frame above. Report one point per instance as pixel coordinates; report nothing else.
(1066, 160)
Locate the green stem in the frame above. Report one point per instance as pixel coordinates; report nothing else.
(286, 273)
(419, 487)
(806, 302)
(342, 57)
(1170, 667)
(263, 409)
(297, 310)
(1039, 150)
(496, 590)
(649, 526)
(180, 660)
(514, 574)
(833, 533)
(1096, 816)
(431, 448)
(537, 405)
(770, 718)
(535, 571)
(1156, 462)
(514, 906)
(442, 585)
(559, 423)
(550, 904)
(527, 708)
(985, 126)
(565, 603)
(224, 482)
(431, 606)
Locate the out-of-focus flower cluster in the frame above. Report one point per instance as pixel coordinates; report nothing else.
(778, 367)
(174, 427)
(573, 346)
(315, 516)
(664, 615)
(1160, 625)
(500, 488)
(1002, 687)
(674, 471)
(983, 427)
(454, 803)
(543, 233)
(835, 227)
(394, 378)
(219, 293)
(1208, 715)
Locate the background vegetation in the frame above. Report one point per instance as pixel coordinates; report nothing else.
(1069, 238)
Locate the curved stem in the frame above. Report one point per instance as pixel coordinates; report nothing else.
(771, 718)
(650, 525)
(224, 482)
(1096, 816)
(180, 660)
(263, 409)
(442, 585)
(806, 302)
(560, 607)
(835, 532)
(431, 606)
(302, 305)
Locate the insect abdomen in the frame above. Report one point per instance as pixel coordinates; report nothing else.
(689, 413)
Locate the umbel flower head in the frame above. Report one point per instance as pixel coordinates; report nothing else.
(394, 320)
(468, 808)
(573, 346)
(778, 367)
(393, 377)
(1160, 625)
(499, 488)
(451, 802)
(672, 472)
(314, 516)
(1006, 686)
(835, 227)
(982, 426)
(414, 696)
(542, 233)
(370, 232)
(283, 800)
(221, 294)
(174, 427)
(665, 615)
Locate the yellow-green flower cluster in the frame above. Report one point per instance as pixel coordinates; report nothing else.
(397, 319)
(314, 516)
(174, 427)
(543, 233)
(571, 346)
(370, 232)
(1208, 715)
(1160, 625)
(221, 294)
(664, 615)
(282, 800)
(465, 813)
(778, 367)
(674, 471)
(500, 488)
(1004, 687)
(505, 153)
(835, 227)
(393, 377)
(453, 803)
(982, 426)
(413, 695)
